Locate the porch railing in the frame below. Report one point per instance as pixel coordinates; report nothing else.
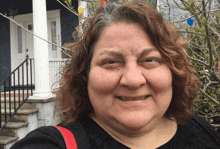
(55, 66)
(15, 90)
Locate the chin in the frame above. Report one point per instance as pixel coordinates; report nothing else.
(134, 122)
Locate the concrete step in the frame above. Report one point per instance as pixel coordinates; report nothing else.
(26, 105)
(20, 111)
(11, 128)
(15, 130)
(14, 99)
(21, 115)
(15, 94)
(15, 125)
(6, 140)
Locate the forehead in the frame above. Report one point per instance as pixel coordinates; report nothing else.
(122, 29)
(123, 36)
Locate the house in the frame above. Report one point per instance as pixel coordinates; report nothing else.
(16, 44)
(35, 77)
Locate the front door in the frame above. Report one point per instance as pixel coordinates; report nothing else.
(22, 41)
(52, 37)
(54, 32)
(29, 52)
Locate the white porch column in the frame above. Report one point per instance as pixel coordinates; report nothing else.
(41, 51)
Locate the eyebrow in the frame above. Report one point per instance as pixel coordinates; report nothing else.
(119, 55)
(147, 50)
(113, 53)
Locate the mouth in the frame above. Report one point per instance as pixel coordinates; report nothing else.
(132, 98)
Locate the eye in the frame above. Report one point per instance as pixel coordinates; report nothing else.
(151, 62)
(152, 59)
(111, 63)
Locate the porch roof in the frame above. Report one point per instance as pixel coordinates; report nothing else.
(25, 6)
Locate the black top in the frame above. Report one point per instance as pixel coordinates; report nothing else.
(195, 134)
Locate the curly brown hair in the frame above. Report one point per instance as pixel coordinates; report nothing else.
(73, 94)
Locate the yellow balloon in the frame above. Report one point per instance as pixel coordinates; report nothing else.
(81, 10)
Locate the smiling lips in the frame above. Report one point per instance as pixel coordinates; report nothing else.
(132, 98)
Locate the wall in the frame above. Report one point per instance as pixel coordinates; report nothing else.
(5, 61)
(68, 23)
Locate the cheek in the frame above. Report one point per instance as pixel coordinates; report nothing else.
(102, 81)
(161, 83)
(161, 80)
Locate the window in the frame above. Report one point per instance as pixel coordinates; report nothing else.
(19, 29)
(53, 35)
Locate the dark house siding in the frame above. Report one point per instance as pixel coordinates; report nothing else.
(5, 58)
(69, 22)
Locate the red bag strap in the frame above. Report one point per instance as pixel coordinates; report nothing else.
(68, 137)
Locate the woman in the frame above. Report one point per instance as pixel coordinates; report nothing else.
(129, 84)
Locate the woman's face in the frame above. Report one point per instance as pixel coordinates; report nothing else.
(129, 86)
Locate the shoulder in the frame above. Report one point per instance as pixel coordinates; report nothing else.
(199, 133)
(46, 137)
(201, 126)
(80, 135)
(194, 134)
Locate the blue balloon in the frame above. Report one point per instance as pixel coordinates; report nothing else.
(190, 21)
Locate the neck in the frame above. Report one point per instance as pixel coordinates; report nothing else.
(154, 137)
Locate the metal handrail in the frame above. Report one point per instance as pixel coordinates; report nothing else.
(20, 80)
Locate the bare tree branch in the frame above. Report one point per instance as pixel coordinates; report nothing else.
(190, 32)
(201, 62)
(213, 30)
(73, 11)
(183, 8)
(209, 97)
(208, 40)
(208, 84)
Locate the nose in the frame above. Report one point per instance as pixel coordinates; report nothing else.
(132, 77)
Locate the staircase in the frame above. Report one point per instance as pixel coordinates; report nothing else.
(24, 121)
(19, 115)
